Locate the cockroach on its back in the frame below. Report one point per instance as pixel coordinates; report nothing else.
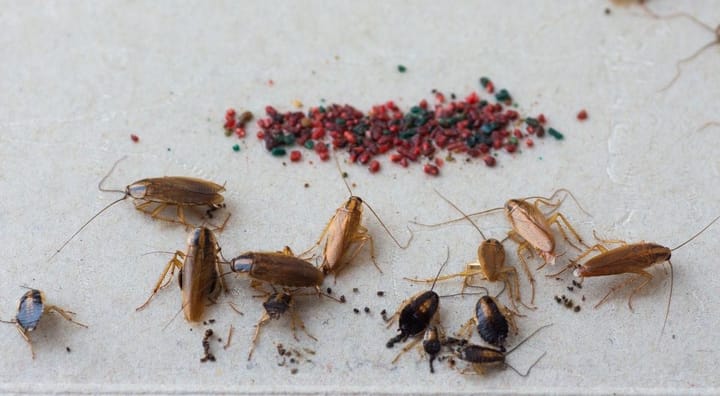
(344, 235)
(200, 278)
(628, 258)
(490, 263)
(31, 307)
(153, 195)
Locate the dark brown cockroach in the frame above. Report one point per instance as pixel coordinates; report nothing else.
(629, 258)
(276, 304)
(490, 264)
(531, 228)
(31, 307)
(344, 235)
(480, 357)
(415, 315)
(199, 277)
(432, 344)
(492, 321)
(154, 195)
(278, 268)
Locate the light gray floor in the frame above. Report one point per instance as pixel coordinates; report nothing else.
(78, 78)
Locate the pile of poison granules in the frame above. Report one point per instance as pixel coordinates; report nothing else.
(473, 127)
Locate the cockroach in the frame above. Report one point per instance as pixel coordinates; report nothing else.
(432, 344)
(415, 315)
(31, 307)
(278, 268)
(490, 263)
(629, 258)
(276, 304)
(479, 356)
(531, 228)
(199, 277)
(492, 321)
(154, 195)
(344, 235)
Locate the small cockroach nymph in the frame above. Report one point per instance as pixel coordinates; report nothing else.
(200, 277)
(154, 195)
(481, 357)
(628, 258)
(493, 322)
(531, 228)
(490, 264)
(344, 235)
(415, 315)
(31, 307)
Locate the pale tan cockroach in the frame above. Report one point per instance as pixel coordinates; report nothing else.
(344, 235)
(490, 264)
(629, 258)
(154, 195)
(199, 277)
(31, 307)
(531, 228)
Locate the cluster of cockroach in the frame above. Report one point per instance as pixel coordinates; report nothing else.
(282, 276)
(530, 228)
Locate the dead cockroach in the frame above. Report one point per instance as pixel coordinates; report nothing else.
(30, 309)
(490, 264)
(199, 277)
(479, 356)
(415, 315)
(531, 228)
(629, 258)
(344, 235)
(276, 304)
(154, 195)
(278, 268)
(492, 320)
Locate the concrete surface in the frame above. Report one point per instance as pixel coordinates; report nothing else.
(79, 77)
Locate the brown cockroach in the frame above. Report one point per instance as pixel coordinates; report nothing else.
(531, 228)
(31, 307)
(344, 235)
(199, 277)
(154, 195)
(629, 258)
(415, 315)
(490, 264)
(278, 268)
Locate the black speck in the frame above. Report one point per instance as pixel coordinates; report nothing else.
(294, 371)
(356, 310)
(570, 288)
(380, 293)
(367, 310)
(307, 185)
(453, 96)
(356, 290)
(211, 321)
(577, 308)
(607, 11)
(67, 348)
(342, 299)
(329, 290)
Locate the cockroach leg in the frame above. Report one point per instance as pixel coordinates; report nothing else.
(626, 282)
(295, 320)
(263, 320)
(67, 315)
(406, 348)
(173, 264)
